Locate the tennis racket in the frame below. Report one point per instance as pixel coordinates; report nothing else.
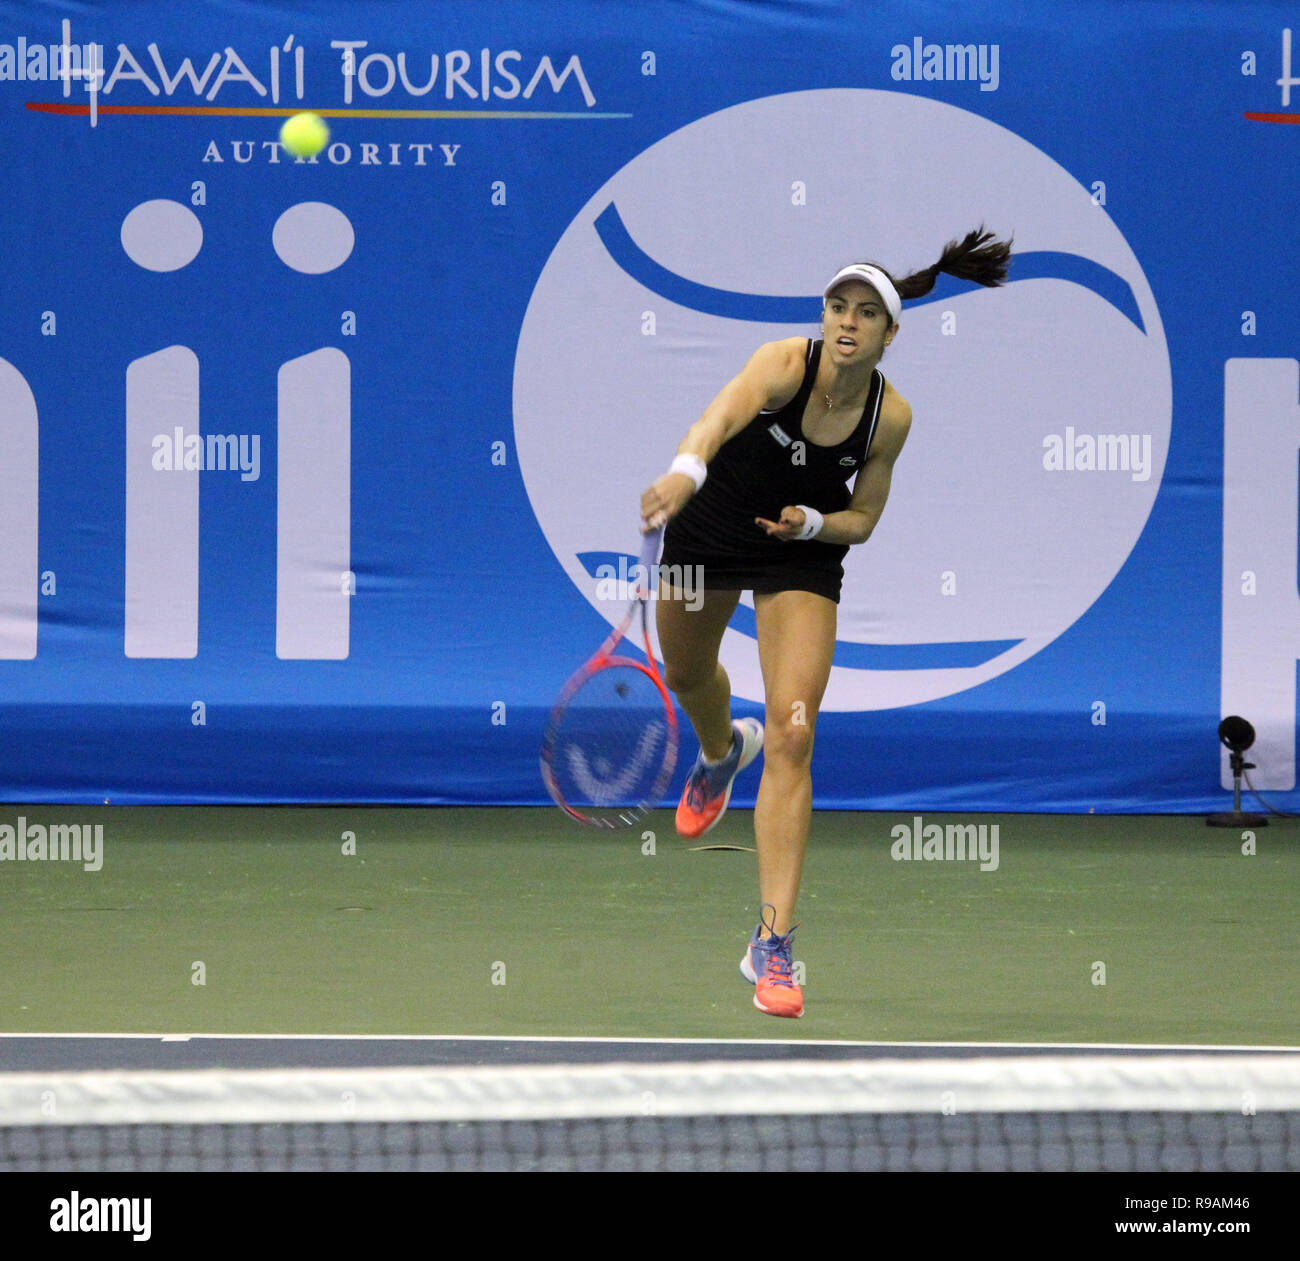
(611, 743)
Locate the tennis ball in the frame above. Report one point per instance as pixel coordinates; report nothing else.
(304, 135)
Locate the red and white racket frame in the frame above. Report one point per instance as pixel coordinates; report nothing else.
(603, 659)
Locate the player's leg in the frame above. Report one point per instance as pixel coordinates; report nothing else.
(796, 642)
(689, 639)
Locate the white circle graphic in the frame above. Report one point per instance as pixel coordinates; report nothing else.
(162, 235)
(313, 237)
(987, 550)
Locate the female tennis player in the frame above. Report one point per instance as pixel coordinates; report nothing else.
(757, 498)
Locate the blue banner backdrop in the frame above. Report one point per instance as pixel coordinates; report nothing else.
(316, 472)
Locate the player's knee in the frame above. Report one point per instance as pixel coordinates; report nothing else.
(689, 676)
(788, 738)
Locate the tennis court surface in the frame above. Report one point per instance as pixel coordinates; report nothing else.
(372, 988)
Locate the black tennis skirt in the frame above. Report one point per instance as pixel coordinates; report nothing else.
(766, 565)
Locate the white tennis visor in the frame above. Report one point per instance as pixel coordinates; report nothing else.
(874, 277)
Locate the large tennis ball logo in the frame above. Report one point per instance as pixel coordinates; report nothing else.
(1041, 410)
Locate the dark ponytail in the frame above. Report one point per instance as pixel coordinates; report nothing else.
(978, 256)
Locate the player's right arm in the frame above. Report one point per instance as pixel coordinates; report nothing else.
(768, 381)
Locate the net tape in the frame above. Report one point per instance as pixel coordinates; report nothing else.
(1242, 1084)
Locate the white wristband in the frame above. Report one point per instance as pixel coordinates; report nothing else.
(813, 522)
(690, 466)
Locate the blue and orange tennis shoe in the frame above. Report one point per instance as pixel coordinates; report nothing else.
(768, 967)
(708, 787)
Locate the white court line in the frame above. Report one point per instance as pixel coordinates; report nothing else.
(484, 1037)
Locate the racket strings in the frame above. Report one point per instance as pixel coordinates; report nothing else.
(611, 746)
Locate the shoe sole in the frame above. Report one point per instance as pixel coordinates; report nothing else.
(767, 1011)
(747, 755)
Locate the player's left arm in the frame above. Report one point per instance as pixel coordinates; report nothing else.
(871, 489)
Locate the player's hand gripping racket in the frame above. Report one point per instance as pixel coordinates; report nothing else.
(611, 744)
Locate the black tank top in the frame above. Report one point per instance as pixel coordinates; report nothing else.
(769, 465)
